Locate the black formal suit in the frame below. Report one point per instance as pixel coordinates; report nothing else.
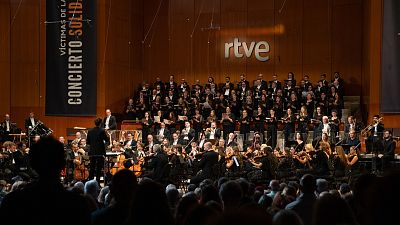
(373, 142)
(96, 138)
(166, 133)
(278, 84)
(321, 163)
(389, 146)
(217, 134)
(168, 85)
(179, 141)
(112, 124)
(128, 145)
(189, 136)
(159, 165)
(29, 124)
(207, 165)
(4, 133)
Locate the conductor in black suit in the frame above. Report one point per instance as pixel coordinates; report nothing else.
(109, 122)
(206, 164)
(96, 138)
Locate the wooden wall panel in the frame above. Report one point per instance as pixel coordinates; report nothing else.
(288, 44)
(205, 41)
(316, 38)
(156, 32)
(233, 25)
(118, 59)
(5, 57)
(260, 27)
(181, 22)
(347, 21)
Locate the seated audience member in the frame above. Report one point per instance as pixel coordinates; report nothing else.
(45, 201)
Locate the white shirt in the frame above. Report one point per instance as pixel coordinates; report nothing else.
(175, 142)
(32, 122)
(212, 134)
(7, 125)
(107, 122)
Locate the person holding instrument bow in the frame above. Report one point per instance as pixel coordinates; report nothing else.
(187, 133)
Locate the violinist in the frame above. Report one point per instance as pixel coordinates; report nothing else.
(352, 161)
(299, 142)
(231, 142)
(301, 161)
(286, 164)
(21, 159)
(231, 162)
(176, 140)
(262, 163)
(207, 164)
(129, 144)
(187, 133)
(176, 160)
(272, 129)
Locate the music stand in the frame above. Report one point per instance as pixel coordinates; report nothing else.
(291, 144)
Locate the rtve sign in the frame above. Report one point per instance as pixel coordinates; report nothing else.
(240, 49)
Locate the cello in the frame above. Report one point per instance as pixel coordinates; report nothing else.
(80, 173)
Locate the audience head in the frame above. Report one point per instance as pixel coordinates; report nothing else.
(307, 183)
(47, 158)
(123, 186)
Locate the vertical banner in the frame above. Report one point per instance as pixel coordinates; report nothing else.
(390, 82)
(71, 57)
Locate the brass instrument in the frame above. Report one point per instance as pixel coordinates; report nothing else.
(364, 132)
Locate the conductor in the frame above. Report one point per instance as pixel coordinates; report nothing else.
(96, 139)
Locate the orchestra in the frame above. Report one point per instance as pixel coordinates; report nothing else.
(231, 133)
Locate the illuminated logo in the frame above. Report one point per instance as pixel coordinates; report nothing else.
(240, 49)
